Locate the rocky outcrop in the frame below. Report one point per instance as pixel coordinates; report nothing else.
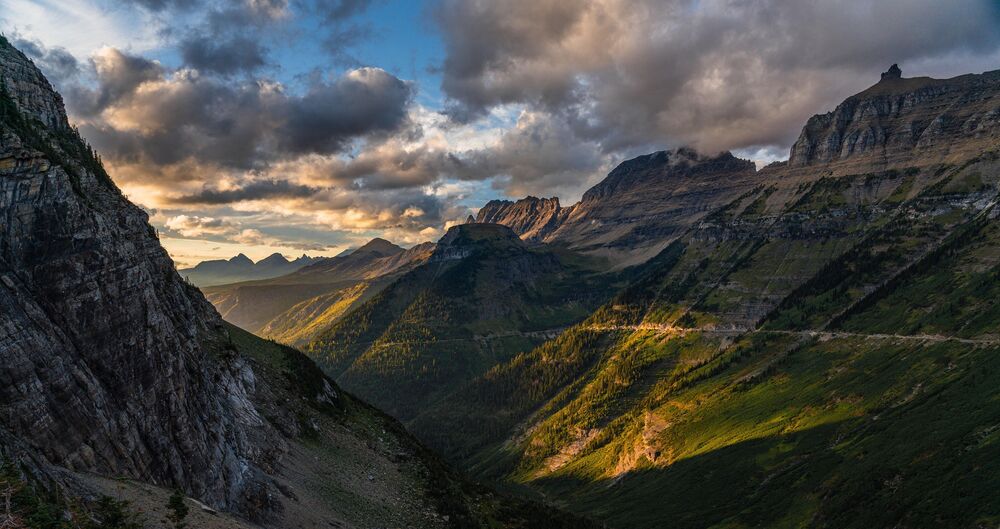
(904, 121)
(108, 362)
(532, 218)
(29, 89)
(466, 239)
(642, 205)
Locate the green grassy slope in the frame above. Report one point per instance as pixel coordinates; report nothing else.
(820, 353)
(410, 347)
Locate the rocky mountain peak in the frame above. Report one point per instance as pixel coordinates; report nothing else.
(241, 259)
(664, 168)
(465, 239)
(634, 212)
(905, 121)
(531, 217)
(29, 89)
(274, 259)
(892, 73)
(378, 246)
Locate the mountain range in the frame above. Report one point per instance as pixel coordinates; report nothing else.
(242, 268)
(696, 343)
(294, 307)
(809, 344)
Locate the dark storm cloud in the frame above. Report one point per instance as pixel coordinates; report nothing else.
(718, 74)
(140, 112)
(118, 75)
(363, 101)
(226, 57)
(261, 190)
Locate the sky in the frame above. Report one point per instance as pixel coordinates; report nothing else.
(311, 126)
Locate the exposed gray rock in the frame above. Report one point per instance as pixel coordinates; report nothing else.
(532, 218)
(642, 205)
(111, 363)
(913, 121)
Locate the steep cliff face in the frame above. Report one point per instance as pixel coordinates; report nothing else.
(532, 218)
(106, 364)
(643, 205)
(900, 120)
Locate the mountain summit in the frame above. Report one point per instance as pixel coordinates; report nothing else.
(904, 121)
(636, 211)
(242, 268)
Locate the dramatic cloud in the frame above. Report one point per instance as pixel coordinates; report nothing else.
(141, 113)
(271, 123)
(717, 74)
(195, 226)
(118, 76)
(538, 155)
(262, 190)
(226, 57)
(363, 101)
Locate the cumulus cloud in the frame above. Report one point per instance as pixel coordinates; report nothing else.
(360, 102)
(195, 226)
(542, 97)
(716, 74)
(539, 154)
(118, 76)
(140, 112)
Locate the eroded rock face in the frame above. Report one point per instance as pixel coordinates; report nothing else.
(643, 205)
(905, 120)
(532, 218)
(109, 362)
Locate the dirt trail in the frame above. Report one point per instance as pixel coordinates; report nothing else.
(821, 334)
